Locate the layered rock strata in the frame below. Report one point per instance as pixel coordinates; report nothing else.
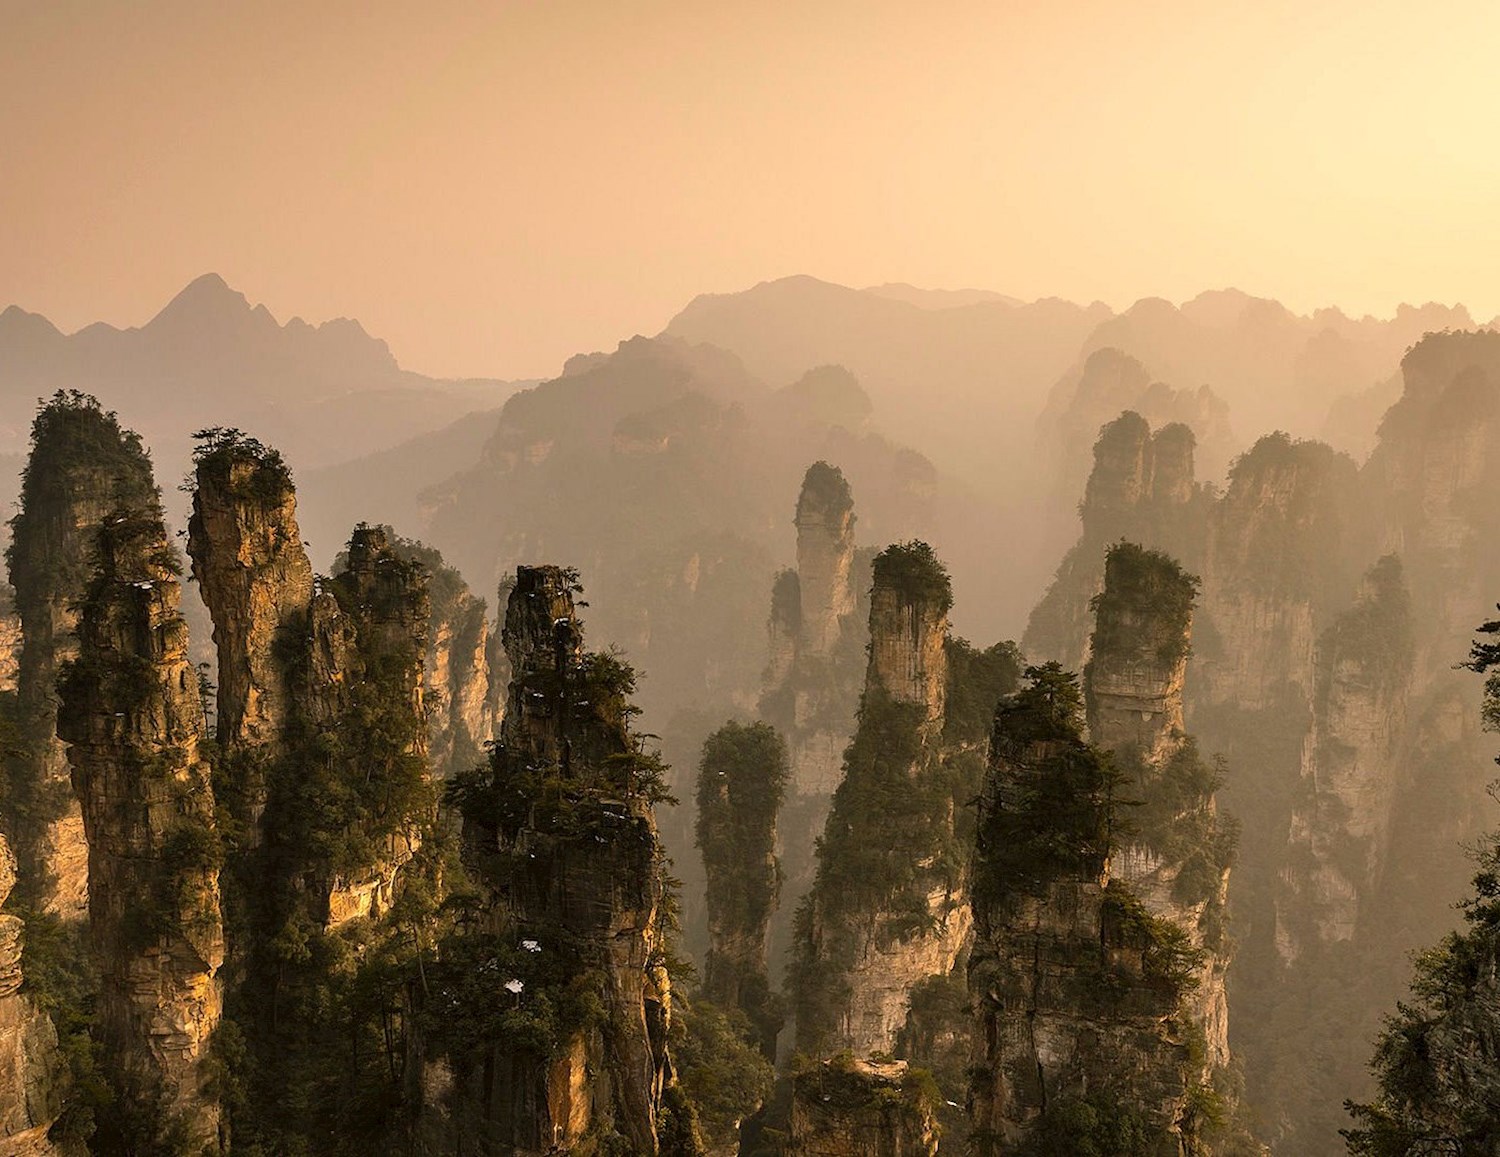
(1173, 852)
(1339, 839)
(252, 570)
(133, 718)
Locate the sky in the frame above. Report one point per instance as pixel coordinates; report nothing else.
(494, 186)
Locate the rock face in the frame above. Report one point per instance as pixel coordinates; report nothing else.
(862, 1109)
(741, 781)
(1142, 488)
(133, 718)
(82, 466)
(253, 573)
(1351, 767)
(33, 1081)
(559, 831)
(886, 910)
(1090, 1035)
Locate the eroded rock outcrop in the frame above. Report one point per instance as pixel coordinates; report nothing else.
(82, 466)
(463, 693)
(812, 682)
(365, 677)
(854, 1108)
(132, 715)
(33, 1078)
(1111, 381)
(559, 831)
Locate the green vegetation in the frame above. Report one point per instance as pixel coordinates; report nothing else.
(896, 831)
(977, 681)
(723, 1070)
(323, 1016)
(1097, 1124)
(220, 448)
(913, 571)
(1436, 1061)
(1050, 810)
(1146, 606)
(1173, 812)
(81, 463)
(1290, 549)
(742, 780)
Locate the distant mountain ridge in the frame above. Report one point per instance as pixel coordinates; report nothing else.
(210, 357)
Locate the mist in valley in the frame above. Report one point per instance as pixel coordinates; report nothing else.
(864, 641)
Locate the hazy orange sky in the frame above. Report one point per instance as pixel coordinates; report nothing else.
(493, 186)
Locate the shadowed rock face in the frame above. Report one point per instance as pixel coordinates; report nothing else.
(133, 718)
(369, 637)
(33, 1080)
(82, 466)
(568, 855)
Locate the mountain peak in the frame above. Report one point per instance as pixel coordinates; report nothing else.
(203, 301)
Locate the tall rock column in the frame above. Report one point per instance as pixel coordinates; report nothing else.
(1085, 1038)
(82, 465)
(560, 833)
(812, 681)
(254, 575)
(886, 910)
(825, 551)
(133, 718)
(1173, 852)
(740, 785)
